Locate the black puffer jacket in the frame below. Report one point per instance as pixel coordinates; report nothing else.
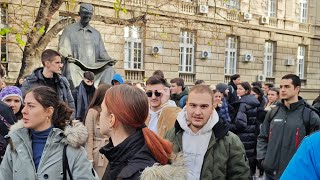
(245, 122)
(128, 159)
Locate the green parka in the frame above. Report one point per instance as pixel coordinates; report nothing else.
(225, 157)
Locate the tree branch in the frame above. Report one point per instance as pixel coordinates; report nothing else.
(109, 20)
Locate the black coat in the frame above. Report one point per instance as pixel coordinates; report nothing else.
(245, 123)
(128, 159)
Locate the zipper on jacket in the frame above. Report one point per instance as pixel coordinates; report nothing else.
(297, 137)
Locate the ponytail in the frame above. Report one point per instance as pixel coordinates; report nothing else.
(61, 114)
(159, 147)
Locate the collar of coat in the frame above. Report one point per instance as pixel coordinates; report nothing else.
(220, 129)
(74, 136)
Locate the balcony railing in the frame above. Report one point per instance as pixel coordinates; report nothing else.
(134, 75)
(134, 2)
(187, 7)
(187, 77)
(273, 22)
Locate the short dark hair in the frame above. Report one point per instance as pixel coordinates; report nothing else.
(178, 81)
(270, 85)
(295, 79)
(158, 73)
(246, 86)
(198, 82)
(88, 75)
(234, 77)
(153, 80)
(48, 55)
(259, 92)
(257, 83)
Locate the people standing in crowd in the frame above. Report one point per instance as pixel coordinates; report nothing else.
(132, 147)
(234, 81)
(162, 115)
(284, 128)
(38, 141)
(273, 98)
(179, 93)
(7, 118)
(49, 75)
(161, 75)
(117, 80)
(305, 164)
(256, 83)
(12, 96)
(199, 81)
(223, 110)
(316, 103)
(83, 94)
(244, 123)
(267, 87)
(204, 140)
(95, 139)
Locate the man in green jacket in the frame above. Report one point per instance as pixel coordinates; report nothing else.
(210, 150)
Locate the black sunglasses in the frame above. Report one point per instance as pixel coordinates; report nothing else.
(156, 93)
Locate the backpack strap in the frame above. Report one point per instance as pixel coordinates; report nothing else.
(273, 113)
(65, 164)
(306, 115)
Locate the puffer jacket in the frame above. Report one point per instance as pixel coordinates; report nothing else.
(18, 160)
(180, 99)
(280, 136)
(225, 156)
(245, 123)
(63, 87)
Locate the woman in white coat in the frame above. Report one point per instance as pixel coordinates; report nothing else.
(37, 142)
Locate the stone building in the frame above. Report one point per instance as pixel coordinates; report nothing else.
(201, 39)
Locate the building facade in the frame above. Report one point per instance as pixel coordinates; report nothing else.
(261, 40)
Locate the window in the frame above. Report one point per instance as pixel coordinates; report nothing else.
(233, 4)
(231, 56)
(268, 59)
(301, 61)
(3, 39)
(133, 48)
(271, 8)
(186, 52)
(303, 11)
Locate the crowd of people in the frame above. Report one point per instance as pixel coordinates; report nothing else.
(156, 129)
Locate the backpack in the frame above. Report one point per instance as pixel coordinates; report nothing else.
(3, 140)
(182, 101)
(306, 115)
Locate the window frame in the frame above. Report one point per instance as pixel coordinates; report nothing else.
(301, 58)
(268, 58)
(4, 23)
(231, 50)
(271, 8)
(233, 4)
(133, 48)
(186, 47)
(304, 5)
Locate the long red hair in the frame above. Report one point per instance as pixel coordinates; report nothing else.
(130, 107)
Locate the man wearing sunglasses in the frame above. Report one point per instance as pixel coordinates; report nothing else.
(162, 115)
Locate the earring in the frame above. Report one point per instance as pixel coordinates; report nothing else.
(48, 119)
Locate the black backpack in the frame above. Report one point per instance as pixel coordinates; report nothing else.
(306, 115)
(3, 140)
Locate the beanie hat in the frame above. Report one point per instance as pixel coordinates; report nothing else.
(10, 91)
(221, 87)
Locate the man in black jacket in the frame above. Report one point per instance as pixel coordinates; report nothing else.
(234, 81)
(284, 128)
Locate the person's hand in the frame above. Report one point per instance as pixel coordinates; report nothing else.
(165, 95)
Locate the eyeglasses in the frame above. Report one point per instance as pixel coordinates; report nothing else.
(156, 93)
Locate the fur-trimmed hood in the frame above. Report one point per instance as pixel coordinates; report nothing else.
(177, 170)
(74, 136)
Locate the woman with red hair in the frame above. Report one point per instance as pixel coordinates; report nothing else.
(132, 146)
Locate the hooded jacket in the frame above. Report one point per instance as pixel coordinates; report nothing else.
(117, 77)
(280, 136)
(180, 99)
(245, 123)
(18, 161)
(224, 156)
(63, 87)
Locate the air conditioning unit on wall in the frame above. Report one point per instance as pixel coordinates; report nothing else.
(205, 54)
(264, 20)
(203, 9)
(248, 57)
(247, 16)
(156, 50)
(261, 78)
(289, 62)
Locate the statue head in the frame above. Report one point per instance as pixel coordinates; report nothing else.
(85, 12)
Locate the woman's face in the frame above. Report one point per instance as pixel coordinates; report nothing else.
(105, 120)
(255, 94)
(14, 103)
(217, 96)
(35, 116)
(241, 91)
(272, 96)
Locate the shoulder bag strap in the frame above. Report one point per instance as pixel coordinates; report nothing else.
(65, 165)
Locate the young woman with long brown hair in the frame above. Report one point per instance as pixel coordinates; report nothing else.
(132, 146)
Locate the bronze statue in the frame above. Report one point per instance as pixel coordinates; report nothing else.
(84, 50)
